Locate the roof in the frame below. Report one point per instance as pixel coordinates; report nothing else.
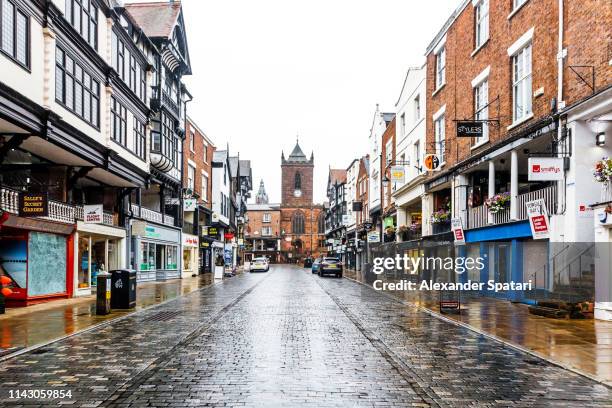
(157, 19)
(297, 155)
(234, 163)
(337, 176)
(245, 168)
(263, 207)
(388, 117)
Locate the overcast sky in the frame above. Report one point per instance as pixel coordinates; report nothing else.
(266, 71)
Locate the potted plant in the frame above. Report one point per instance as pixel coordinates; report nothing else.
(603, 174)
(498, 203)
(403, 230)
(390, 233)
(441, 216)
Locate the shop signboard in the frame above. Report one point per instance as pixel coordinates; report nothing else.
(538, 219)
(228, 236)
(93, 214)
(190, 240)
(431, 162)
(467, 128)
(398, 174)
(357, 206)
(388, 222)
(545, 168)
(373, 237)
(457, 228)
(212, 232)
(33, 205)
(146, 230)
(190, 204)
(240, 242)
(346, 220)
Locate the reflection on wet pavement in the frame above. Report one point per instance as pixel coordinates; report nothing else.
(585, 345)
(28, 326)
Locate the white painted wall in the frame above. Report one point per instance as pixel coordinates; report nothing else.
(375, 142)
(220, 187)
(351, 192)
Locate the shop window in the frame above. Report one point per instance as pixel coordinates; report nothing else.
(171, 257)
(44, 277)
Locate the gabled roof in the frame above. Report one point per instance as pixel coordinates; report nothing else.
(157, 19)
(337, 176)
(297, 155)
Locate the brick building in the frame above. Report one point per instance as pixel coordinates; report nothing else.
(198, 152)
(536, 74)
(263, 230)
(362, 196)
(388, 154)
(302, 221)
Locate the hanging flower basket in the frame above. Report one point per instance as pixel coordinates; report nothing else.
(603, 170)
(498, 202)
(441, 216)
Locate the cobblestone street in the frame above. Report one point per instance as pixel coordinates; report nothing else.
(288, 338)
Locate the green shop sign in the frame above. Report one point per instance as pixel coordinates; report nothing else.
(388, 222)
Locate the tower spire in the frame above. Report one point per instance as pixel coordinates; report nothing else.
(262, 196)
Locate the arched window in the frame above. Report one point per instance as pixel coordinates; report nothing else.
(298, 181)
(297, 223)
(321, 223)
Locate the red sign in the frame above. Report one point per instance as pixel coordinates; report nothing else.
(459, 235)
(536, 168)
(539, 223)
(229, 235)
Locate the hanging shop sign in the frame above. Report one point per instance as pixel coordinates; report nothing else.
(458, 233)
(538, 219)
(346, 220)
(190, 204)
(357, 206)
(190, 240)
(388, 222)
(228, 236)
(545, 168)
(33, 205)
(431, 162)
(212, 232)
(398, 174)
(469, 128)
(240, 242)
(373, 237)
(215, 217)
(93, 214)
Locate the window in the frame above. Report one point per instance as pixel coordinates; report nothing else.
(267, 217)
(204, 187)
(403, 123)
(131, 72)
(266, 231)
(519, 3)
(481, 13)
(75, 89)
(389, 152)
(297, 224)
(441, 68)
(481, 109)
(205, 148)
(140, 140)
(192, 141)
(119, 122)
(417, 155)
(190, 177)
(298, 181)
(521, 84)
(83, 16)
(440, 138)
(15, 33)
(417, 108)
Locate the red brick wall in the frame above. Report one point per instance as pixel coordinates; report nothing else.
(256, 223)
(588, 40)
(389, 135)
(462, 68)
(311, 236)
(288, 172)
(362, 195)
(202, 161)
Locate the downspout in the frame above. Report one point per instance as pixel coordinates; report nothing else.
(560, 58)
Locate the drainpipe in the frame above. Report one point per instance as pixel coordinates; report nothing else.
(561, 197)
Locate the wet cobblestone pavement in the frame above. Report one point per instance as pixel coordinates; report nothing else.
(289, 338)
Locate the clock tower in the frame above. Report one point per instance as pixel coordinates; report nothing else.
(296, 178)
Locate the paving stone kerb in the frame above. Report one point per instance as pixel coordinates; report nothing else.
(291, 338)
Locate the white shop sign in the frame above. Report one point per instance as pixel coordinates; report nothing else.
(373, 237)
(545, 168)
(190, 240)
(93, 214)
(190, 204)
(457, 228)
(538, 219)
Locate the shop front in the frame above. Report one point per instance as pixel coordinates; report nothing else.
(155, 251)
(190, 255)
(99, 248)
(38, 257)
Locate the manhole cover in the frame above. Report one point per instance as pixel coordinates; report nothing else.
(162, 316)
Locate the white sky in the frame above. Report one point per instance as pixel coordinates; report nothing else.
(267, 70)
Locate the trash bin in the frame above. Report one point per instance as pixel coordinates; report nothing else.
(123, 290)
(103, 294)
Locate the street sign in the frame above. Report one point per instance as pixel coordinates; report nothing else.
(545, 168)
(398, 174)
(538, 218)
(431, 162)
(469, 129)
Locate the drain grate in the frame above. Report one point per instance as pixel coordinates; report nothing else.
(162, 316)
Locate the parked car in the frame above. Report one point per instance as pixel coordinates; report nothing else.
(316, 264)
(308, 262)
(259, 264)
(330, 266)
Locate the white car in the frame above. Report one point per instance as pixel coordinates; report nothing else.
(259, 264)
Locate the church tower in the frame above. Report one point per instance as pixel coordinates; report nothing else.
(296, 178)
(261, 197)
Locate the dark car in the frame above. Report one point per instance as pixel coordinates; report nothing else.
(330, 266)
(308, 262)
(316, 264)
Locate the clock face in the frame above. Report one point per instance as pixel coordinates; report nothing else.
(297, 193)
